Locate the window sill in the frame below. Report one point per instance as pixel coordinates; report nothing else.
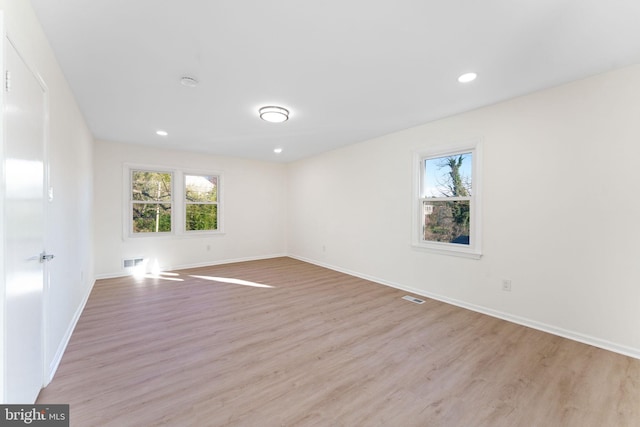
(447, 249)
(201, 233)
(172, 236)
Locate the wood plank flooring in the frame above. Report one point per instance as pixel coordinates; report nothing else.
(307, 346)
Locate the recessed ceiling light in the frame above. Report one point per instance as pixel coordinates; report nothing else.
(467, 77)
(162, 132)
(277, 150)
(274, 114)
(188, 81)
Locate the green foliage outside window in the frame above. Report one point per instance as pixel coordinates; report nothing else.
(151, 193)
(201, 198)
(202, 217)
(151, 218)
(151, 202)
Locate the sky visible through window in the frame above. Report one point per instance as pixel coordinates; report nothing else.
(437, 176)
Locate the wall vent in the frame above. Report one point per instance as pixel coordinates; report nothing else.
(413, 299)
(132, 262)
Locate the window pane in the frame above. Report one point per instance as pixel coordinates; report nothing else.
(448, 176)
(151, 186)
(201, 188)
(446, 221)
(151, 218)
(202, 217)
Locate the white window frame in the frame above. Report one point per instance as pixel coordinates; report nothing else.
(178, 203)
(474, 248)
(218, 203)
(130, 202)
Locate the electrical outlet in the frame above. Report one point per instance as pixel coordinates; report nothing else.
(506, 285)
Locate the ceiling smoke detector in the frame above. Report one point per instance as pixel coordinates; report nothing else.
(188, 81)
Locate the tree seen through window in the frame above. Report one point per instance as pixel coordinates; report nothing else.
(447, 199)
(151, 201)
(201, 202)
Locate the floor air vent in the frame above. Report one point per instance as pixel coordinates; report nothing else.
(413, 299)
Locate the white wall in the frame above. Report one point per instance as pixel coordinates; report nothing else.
(560, 215)
(253, 210)
(69, 231)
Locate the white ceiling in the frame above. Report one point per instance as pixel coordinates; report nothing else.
(348, 70)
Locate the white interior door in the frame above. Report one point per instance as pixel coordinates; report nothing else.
(24, 124)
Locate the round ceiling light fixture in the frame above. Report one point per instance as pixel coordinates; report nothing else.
(274, 114)
(162, 132)
(467, 77)
(277, 150)
(188, 81)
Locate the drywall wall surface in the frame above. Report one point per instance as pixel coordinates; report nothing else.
(559, 216)
(253, 202)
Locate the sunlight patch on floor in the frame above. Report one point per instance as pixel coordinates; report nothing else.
(233, 281)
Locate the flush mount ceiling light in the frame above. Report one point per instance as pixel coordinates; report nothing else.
(188, 81)
(274, 114)
(162, 132)
(277, 150)
(467, 77)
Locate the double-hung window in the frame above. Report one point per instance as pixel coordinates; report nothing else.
(151, 200)
(447, 203)
(201, 202)
(171, 202)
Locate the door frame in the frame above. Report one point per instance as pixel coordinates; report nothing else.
(3, 289)
(47, 197)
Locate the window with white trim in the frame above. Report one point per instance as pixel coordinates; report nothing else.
(162, 201)
(447, 203)
(201, 202)
(151, 200)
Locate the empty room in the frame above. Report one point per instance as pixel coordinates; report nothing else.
(243, 213)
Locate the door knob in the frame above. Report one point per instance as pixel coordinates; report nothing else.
(46, 257)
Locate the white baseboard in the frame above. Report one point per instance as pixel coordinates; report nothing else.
(123, 273)
(572, 335)
(57, 358)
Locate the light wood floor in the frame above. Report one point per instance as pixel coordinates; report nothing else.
(320, 348)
